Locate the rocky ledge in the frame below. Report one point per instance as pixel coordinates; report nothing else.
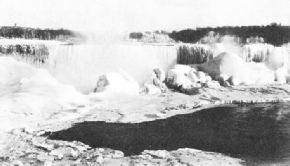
(30, 148)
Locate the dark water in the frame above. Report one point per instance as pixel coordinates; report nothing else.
(257, 133)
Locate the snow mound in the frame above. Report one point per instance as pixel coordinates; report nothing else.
(30, 91)
(120, 82)
(228, 65)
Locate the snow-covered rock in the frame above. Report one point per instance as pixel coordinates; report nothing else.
(192, 76)
(185, 69)
(234, 81)
(201, 76)
(117, 83)
(208, 78)
(177, 78)
(155, 84)
(61, 152)
(212, 84)
(160, 74)
(226, 84)
(171, 76)
(151, 89)
(193, 70)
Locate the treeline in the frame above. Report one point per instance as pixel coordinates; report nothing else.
(139, 35)
(136, 35)
(41, 34)
(274, 34)
(151, 37)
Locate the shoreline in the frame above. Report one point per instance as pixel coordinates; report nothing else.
(129, 109)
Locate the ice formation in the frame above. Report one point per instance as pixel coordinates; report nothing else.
(257, 52)
(188, 79)
(26, 90)
(82, 65)
(156, 83)
(197, 53)
(30, 51)
(228, 65)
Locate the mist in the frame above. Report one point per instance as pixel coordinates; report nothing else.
(82, 65)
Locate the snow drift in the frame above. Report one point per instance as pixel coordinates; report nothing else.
(30, 91)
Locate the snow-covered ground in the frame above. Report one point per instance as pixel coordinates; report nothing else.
(31, 99)
(28, 91)
(34, 100)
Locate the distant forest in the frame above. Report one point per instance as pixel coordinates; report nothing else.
(274, 34)
(41, 34)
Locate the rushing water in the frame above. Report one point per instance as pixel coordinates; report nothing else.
(256, 133)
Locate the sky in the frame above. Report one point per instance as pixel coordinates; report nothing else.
(107, 16)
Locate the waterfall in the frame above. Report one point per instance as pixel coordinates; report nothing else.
(273, 57)
(257, 52)
(81, 65)
(197, 53)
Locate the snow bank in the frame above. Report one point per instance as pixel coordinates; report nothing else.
(31, 91)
